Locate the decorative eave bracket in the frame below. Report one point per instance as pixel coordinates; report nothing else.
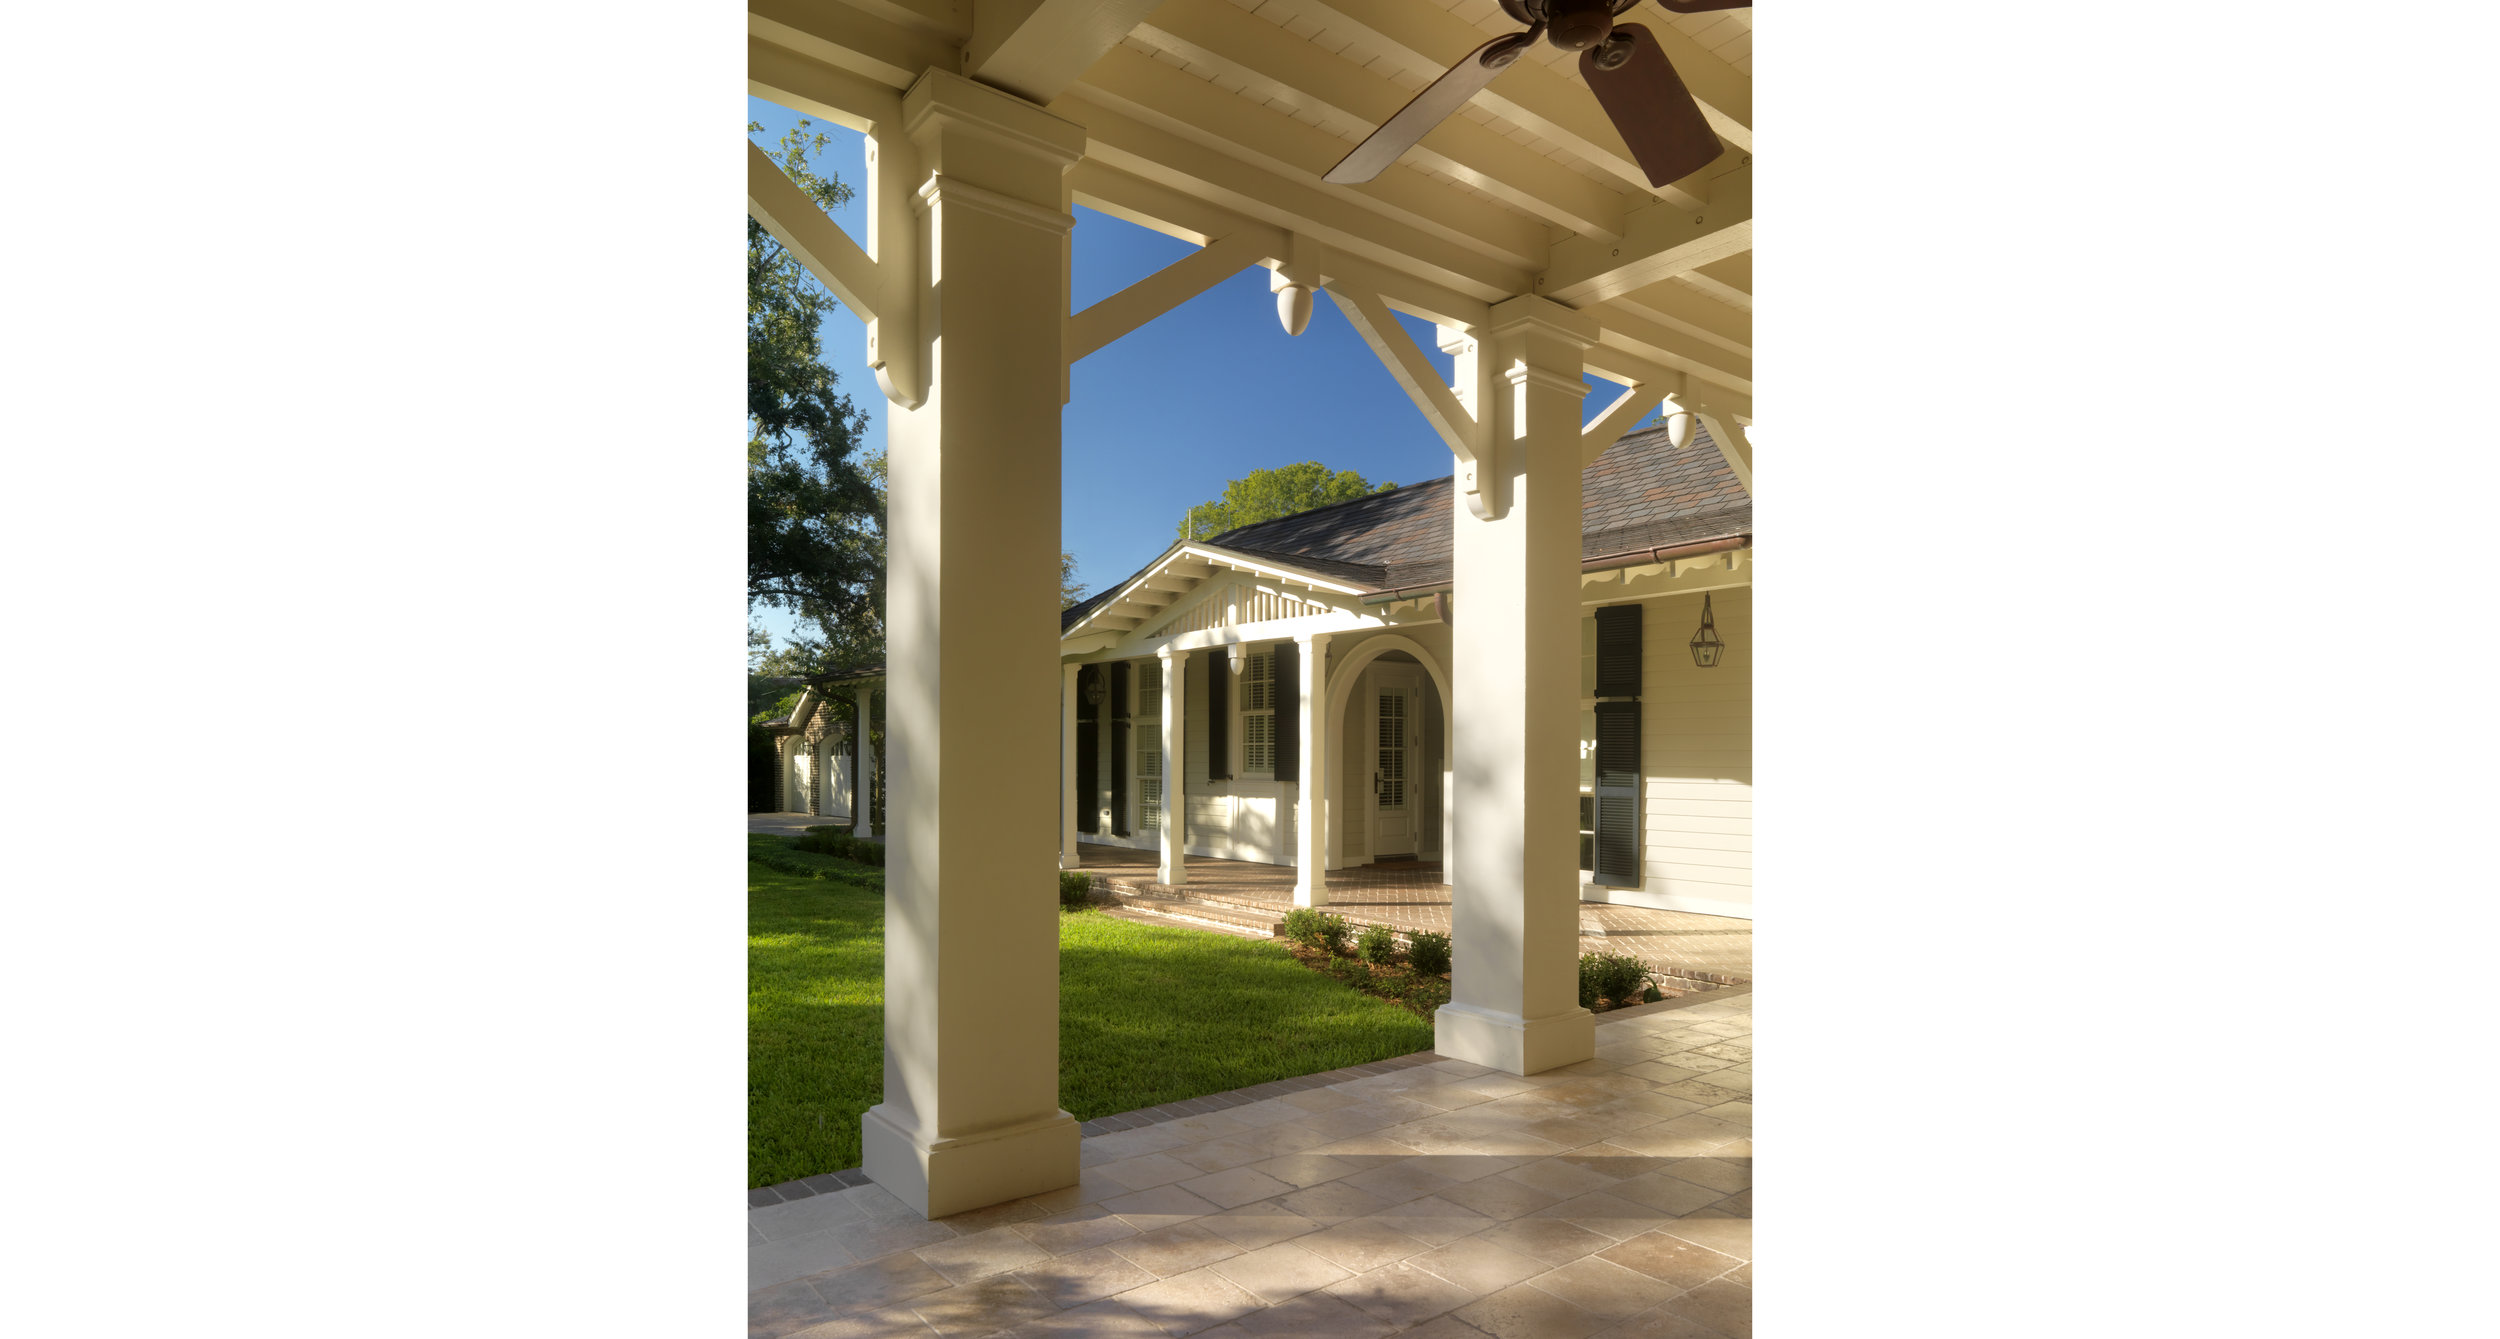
(880, 282)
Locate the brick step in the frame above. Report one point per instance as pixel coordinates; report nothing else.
(1191, 908)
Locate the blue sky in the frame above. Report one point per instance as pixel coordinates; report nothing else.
(1164, 417)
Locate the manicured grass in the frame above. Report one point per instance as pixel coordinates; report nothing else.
(815, 1020)
(1148, 1014)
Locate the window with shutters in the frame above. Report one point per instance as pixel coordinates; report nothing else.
(1258, 715)
(1149, 745)
(1614, 829)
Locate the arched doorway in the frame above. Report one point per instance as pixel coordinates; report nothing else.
(1389, 779)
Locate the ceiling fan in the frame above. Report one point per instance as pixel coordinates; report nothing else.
(1659, 121)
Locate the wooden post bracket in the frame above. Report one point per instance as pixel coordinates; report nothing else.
(880, 282)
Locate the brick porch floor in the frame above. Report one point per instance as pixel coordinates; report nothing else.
(1411, 896)
(1610, 1198)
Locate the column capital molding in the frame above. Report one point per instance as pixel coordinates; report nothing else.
(942, 101)
(1313, 638)
(1172, 653)
(1533, 315)
(942, 189)
(1524, 374)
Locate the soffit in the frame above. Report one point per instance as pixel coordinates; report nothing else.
(1213, 116)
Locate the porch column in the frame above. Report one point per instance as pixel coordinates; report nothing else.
(1068, 858)
(971, 1113)
(865, 822)
(1174, 867)
(1310, 815)
(1515, 887)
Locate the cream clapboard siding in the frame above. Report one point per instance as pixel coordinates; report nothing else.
(1697, 757)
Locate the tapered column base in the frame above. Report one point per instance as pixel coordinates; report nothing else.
(952, 1175)
(1510, 1043)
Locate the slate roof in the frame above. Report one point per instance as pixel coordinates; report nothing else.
(1644, 493)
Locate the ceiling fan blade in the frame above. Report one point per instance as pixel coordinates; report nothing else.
(1430, 108)
(1703, 6)
(1659, 121)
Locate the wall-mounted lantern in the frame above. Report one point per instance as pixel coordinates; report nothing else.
(1706, 644)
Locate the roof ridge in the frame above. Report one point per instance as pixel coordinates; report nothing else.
(1390, 491)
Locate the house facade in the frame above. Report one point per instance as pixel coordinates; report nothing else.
(825, 754)
(1185, 689)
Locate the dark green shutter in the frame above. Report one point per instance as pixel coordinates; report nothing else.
(1619, 651)
(1119, 747)
(1088, 754)
(1288, 711)
(1219, 715)
(1618, 795)
(1618, 829)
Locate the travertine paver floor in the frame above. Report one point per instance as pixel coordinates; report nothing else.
(1411, 896)
(1611, 1198)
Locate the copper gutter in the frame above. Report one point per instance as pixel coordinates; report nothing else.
(1606, 562)
(1644, 557)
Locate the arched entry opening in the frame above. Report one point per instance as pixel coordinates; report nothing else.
(1388, 788)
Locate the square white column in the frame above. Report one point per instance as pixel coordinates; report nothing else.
(1310, 816)
(1174, 867)
(971, 1113)
(1515, 879)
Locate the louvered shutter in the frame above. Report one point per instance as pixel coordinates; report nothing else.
(1088, 753)
(1288, 711)
(1619, 651)
(1618, 795)
(1219, 715)
(1618, 830)
(1119, 747)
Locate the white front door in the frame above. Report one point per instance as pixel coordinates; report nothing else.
(802, 779)
(1393, 773)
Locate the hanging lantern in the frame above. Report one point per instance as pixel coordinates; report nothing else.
(1096, 690)
(1706, 644)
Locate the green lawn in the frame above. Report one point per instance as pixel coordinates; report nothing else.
(1147, 1015)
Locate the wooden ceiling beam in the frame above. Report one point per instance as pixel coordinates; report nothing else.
(1426, 40)
(1217, 183)
(1659, 242)
(1036, 49)
(1271, 61)
(1182, 104)
(850, 39)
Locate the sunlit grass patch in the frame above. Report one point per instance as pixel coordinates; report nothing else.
(1148, 1015)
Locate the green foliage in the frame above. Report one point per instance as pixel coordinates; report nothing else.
(1378, 944)
(1618, 977)
(1264, 495)
(834, 842)
(1071, 590)
(1427, 952)
(815, 513)
(1076, 888)
(1314, 928)
(782, 856)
